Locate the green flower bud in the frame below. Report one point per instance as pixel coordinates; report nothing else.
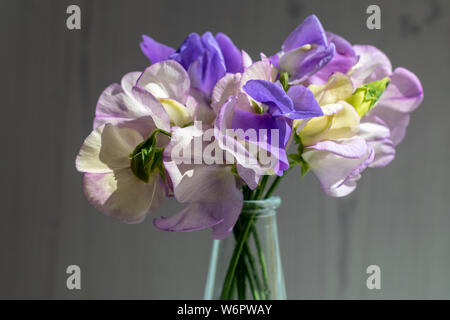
(284, 79)
(365, 97)
(147, 157)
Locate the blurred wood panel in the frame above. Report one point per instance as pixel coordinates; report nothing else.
(398, 218)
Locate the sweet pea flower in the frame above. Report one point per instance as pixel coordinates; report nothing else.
(161, 92)
(252, 101)
(384, 115)
(161, 96)
(305, 51)
(206, 58)
(210, 192)
(156, 100)
(332, 147)
(110, 183)
(340, 119)
(403, 95)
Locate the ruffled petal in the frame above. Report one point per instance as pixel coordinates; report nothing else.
(342, 124)
(246, 60)
(166, 79)
(207, 68)
(107, 148)
(333, 108)
(213, 200)
(271, 95)
(154, 107)
(250, 177)
(309, 32)
(228, 210)
(247, 121)
(301, 63)
(228, 142)
(231, 54)
(373, 65)
(395, 120)
(350, 149)
(154, 50)
(115, 104)
(226, 87)
(404, 93)
(129, 81)
(208, 184)
(305, 105)
(338, 87)
(122, 196)
(189, 51)
(181, 144)
(195, 216)
(199, 108)
(338, 174)
(377, 135)
(264, 132)
(260, 70)
(343, 59)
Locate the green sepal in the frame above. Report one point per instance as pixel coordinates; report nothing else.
(366, 96)
(256, 107)
(296, 158)
(284, 79)
(147, 157)
(158, 163)
(234, 170)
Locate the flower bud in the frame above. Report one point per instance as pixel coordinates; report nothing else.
(147, 157)
(365, 97)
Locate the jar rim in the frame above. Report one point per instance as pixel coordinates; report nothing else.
(261, 207)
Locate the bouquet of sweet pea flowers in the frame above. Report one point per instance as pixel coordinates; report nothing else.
(209, 126)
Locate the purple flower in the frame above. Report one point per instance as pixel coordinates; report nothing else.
(344, 58)
(276, 110)
(206, 58)
(297, 103)
(305, 51)
(252, 101)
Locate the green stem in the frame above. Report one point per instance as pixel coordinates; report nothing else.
(272, 187)
(233, 286)
(237, 266)
(240, 278)
(261, 187)
(252, 271)
(275, 183)
(254, 291)
(243, 236)
(262, 262)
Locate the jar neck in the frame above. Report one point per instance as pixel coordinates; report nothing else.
(261, 208)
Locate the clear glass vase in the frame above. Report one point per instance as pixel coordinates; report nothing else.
(247, 264)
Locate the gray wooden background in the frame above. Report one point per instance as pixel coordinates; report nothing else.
(51, 78)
